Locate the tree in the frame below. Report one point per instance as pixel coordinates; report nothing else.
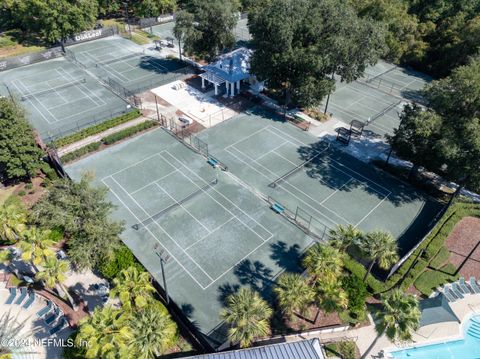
(20, 158)
(82, 211)
(331, 296)
(154, 332)
(13, 335)
(211, 30)
(323, 263)
(300, 45)
(150, 8)
(36, 246)
(12, 222)
(53, 274)
(107, 333)
(342, 238)
(294, 294)
(185, 31)
(379, 247)
(133, 288)
(248, 315)
(356, 291)
(399, 317)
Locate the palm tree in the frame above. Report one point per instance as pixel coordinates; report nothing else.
(12, 331)
(379, 247)
(12, 222)
(153, 332)
(248, 315)
(293, 293)
(133, 288)
(332, 297)
(400, 315)
(323, 261)
(106, 332)
(36, 246)
(343, 237)
(53, 273)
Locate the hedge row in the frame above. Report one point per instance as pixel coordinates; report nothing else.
(416, 264)
(127, 132)
(90, 131)
(108, 140)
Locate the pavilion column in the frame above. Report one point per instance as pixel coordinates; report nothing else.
(203, 83)
(232, 89)
(216, 89)
(238, 85)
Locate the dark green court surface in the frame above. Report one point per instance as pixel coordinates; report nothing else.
(128, 64)
(59, 97)
(218, 234)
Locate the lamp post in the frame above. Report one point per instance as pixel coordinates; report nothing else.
(127, 19)
(163, 259)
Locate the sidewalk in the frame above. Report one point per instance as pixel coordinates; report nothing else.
(97, 137)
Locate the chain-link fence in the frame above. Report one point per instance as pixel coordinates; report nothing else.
(91, 35)
(24, 60)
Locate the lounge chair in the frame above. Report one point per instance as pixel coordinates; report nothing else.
(457, 290)
(58, 327)
(52, 317)
(11, 297)
(473, 283)
(29, 301)
(23, 294)
(45, 309)
(463, 286)
(448, 294)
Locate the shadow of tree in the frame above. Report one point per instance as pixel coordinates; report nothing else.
(287, 257)
(256, 275)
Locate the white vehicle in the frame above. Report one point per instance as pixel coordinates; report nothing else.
(185, 121)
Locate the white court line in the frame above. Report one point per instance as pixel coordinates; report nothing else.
(183, 207)
(221, 194)
(336, 191)
(136, 163)
(272, 150)
(368, 94)
(370, 212)
(214, 230)
(247, 137)
(102, 102)
(33, 104)
(162, 229)
(154, 236)
(342, 165)
(154, 182)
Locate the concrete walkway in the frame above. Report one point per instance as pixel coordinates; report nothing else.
(96, 138)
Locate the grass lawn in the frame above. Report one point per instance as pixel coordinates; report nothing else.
(14, 43)
(431, 279)
(345, 349)
(5, 193)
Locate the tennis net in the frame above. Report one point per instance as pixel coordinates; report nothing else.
(290, 173)
(384, 111)
(174, 205)
(118, 59)
(53, 89)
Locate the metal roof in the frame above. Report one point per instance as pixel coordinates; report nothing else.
(304, 349)
(436, 310)
(233, 66)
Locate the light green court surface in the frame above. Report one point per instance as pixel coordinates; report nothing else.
(67, 108)
(226, 236)
(126, 63)
(379, 97)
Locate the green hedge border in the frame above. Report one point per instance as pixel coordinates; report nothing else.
(90, 131)
(108, 140)
(418, 261)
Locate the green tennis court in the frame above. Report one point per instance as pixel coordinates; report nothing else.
(163, 31)
(218, 234)
(60, 98)
(128, 64)
(302, 173)
(378, 98)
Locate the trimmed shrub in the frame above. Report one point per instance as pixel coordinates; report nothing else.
(127, 132)
(80, 135)
(122, 259)
(81, 152)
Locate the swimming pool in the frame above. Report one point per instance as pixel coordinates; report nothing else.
(467, 348)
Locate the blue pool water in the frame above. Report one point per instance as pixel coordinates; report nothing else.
(467, 348)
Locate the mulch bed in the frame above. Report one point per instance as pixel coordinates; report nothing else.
(314, 319)
(30, 196)
(464, 247)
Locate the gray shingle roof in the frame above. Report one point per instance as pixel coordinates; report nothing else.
(305, 349)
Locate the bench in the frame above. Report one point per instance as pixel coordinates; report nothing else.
(277, 208)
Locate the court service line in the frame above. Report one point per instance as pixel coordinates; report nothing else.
(154, 182)
(342, 165)
(154, 236)
(136, 163)
(183, 207)
(247, 137)
(89, 92)
(272, 150)
(56, 92)
(335, 192)
(221, 194)
(373, 209)
(31, 100)
(161, 228)
(214, 230)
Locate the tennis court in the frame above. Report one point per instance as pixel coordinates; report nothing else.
(241, 32)
(304, 174)
(60, 98)
(218, 234)
(163, 31)
(378, 98)
(128, 64)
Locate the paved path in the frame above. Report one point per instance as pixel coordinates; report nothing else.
(95, 138)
